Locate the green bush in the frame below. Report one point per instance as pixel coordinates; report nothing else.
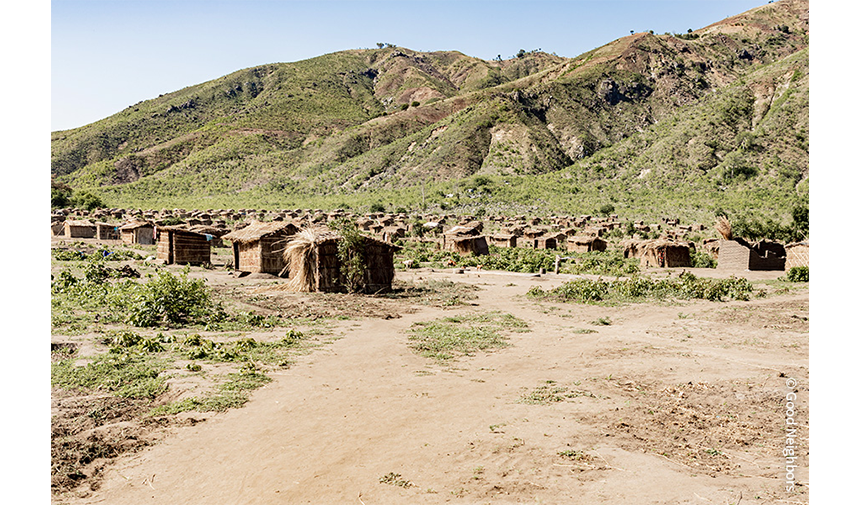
(798, 274)
(686, 286)
(702, 259)
(166, 298)
(86, 200)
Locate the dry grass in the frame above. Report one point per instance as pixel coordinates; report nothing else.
(301, 256)
(724, 227)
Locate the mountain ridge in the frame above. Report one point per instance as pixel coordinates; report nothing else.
(388, 119)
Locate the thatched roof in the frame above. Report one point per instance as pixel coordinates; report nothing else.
(208, 230)
(467, 230)
(133, 225)
(585, 239)
(179, 229)
(79, 222)
(259, 229)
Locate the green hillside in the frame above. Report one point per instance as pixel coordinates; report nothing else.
(689, 124)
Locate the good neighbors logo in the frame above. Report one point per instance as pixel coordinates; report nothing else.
(791, 449)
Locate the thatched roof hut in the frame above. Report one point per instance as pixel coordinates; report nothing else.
(471, 229)
(314, 264)
(503, 240)
(138, 232)
(585, 243)
(659, 253)
(79, 229)
(259, 247)
(466, 244)
(107, 231)
(797, 255)
(550, 241)
(180, 246)
(392, 233)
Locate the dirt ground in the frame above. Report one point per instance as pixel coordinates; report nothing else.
(681, 403)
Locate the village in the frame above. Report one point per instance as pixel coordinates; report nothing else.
(257, 236)
(436, 378)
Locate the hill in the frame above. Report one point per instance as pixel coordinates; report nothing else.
(686, 124)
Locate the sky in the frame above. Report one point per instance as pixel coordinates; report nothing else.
(109, 54)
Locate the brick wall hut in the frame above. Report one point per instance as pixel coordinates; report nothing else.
(735, 255)
(259, 247)
(179, 246)
(138, 232)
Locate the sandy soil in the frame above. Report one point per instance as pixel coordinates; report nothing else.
(670, 403)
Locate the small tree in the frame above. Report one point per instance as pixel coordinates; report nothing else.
(606, 209)
(86, 200)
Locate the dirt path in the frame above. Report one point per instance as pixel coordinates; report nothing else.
(365, 420)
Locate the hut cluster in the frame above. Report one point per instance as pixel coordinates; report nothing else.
(259, 238)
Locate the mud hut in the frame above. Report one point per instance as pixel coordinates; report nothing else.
(585, 243)
(550, 241)
(107, 231)
(259, 247)
(138, 232)
(314, 264)
(468, 244)
(180, 246)
(797, 255)
(79, 229)
(663, 253)
(503, 240)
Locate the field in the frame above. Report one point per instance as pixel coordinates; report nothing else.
(454, 388)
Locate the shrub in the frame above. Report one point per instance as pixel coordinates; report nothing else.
(350, 252)
(686, 286)
(798, 274)
(169, 299)
(606, 209)
(702, 259)
(86, 200)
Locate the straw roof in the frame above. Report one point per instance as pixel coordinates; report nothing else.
(179, 229)
(135, 224)
(259, 229)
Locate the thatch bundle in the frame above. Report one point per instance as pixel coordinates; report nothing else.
(724, 227)
(301, 255)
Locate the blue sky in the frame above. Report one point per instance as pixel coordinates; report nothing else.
(109, 54)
